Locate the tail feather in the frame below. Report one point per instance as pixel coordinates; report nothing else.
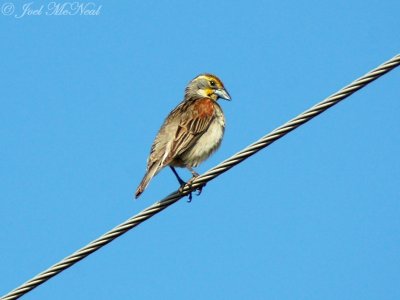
(151, 172)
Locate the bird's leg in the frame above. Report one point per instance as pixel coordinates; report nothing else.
(181, 181)
(195, 174)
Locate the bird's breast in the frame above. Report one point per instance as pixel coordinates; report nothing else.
(208, 143)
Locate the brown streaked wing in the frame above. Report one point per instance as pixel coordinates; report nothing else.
(196, 118)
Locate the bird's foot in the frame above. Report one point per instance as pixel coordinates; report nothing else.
(198, 189)
(183, 184)
(190, 182)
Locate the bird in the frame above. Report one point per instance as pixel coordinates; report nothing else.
(191, 132)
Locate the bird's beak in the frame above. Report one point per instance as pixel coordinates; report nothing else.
(222, 93)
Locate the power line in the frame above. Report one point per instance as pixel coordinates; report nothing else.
(207, 176)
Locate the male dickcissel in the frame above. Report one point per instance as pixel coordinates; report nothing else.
(191, 132)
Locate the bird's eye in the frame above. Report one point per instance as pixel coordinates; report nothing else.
(212, 82)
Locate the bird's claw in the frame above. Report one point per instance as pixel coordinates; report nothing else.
(198, 189)
(190, 197)
(190, 194)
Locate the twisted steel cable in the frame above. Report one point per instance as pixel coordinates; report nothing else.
(202, 179)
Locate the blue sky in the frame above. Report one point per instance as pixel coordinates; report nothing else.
(314, 216)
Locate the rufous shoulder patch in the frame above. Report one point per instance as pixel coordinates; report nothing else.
(204, 107)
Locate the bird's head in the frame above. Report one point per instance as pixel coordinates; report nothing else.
(206, 85)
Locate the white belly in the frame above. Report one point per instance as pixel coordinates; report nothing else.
(206, 145)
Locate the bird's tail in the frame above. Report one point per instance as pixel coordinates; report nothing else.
(151, 172)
